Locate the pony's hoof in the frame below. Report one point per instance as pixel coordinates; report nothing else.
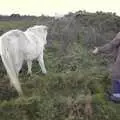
(44, 72)
(29, 73)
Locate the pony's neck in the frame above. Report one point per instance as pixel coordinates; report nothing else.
(39, 38)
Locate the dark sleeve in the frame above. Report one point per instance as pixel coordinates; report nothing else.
(109, 46)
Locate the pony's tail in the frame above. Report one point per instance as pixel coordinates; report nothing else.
(9, 65)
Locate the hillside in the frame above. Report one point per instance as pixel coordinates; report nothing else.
(76, 79)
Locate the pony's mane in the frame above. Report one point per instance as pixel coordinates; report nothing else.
(37, 27)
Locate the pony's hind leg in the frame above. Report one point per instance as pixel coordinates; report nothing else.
(18, 65)
(29, 64)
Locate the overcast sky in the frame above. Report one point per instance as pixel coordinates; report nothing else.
(50, 7)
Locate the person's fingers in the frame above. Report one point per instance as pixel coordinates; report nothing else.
(95, 51)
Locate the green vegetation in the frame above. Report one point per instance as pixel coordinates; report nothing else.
(73, 73)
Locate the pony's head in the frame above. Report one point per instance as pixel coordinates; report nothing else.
(39, 31)
(40, 28)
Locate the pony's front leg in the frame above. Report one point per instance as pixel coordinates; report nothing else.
(29, 63)
(42, 65)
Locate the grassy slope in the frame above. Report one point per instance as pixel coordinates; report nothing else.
(60, 94)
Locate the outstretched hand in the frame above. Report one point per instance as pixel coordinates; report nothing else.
(95, 51)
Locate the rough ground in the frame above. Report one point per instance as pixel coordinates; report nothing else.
(76, 84)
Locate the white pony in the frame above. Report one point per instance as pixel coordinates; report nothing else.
(17, 46)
